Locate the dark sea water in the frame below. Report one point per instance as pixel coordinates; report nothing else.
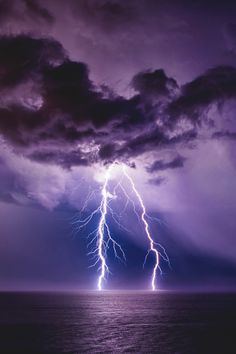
(163, 323)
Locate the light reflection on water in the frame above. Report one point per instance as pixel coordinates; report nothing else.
(117, 322)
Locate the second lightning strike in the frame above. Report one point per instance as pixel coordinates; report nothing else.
(103, 237)
(146, 226)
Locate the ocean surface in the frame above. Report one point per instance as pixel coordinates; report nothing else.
(117, 322)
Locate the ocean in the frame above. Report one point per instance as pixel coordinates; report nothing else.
(117, 322)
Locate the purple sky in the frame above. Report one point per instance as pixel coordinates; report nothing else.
(85, 83)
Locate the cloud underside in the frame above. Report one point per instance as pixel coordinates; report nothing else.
(51, 111)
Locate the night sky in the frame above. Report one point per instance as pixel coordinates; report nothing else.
(148, 83)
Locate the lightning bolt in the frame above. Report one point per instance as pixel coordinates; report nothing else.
(146, 226)
(102, 236)
(101, 230)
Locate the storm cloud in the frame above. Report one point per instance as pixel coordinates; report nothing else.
(54, 103)
(160, 165)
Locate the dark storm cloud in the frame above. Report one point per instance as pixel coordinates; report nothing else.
(62, 158)
(154, 84)
(67, 110)
(107, 151)
(224, 134)
(161, 165)
(18, 124)
(62, 85)
(155, 140)
(215, 86)
(72, 108)
(67, 89)
(23, 58)
(152, 141)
